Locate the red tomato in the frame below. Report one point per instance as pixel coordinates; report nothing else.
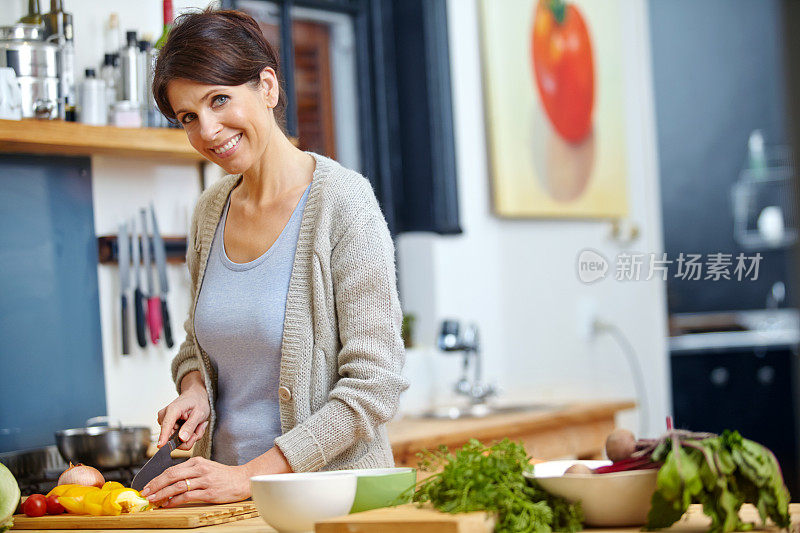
(35, 505)
(53, 507)
(563, 67)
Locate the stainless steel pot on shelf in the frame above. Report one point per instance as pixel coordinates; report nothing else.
(36, 63)
(104, 446)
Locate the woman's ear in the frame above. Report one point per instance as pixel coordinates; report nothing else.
(270, 85)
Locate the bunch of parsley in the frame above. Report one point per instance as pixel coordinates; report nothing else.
(490, 478)
(722, 473)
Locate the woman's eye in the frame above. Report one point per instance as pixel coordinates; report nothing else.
(220, 99)
(187, 118)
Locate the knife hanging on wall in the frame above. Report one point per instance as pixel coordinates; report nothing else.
(153, 308)
(160, 253)
(138, 297)
(124, 282)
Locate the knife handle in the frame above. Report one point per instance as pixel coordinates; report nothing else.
(125, 344)
(165, 322)
(138, 304)
(154, 318)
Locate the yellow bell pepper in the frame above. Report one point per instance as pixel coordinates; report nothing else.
(79, 491)
(59, 490)
(124, 500)
(93, 502)
(113, 499)
(73, 498)
(71, 504)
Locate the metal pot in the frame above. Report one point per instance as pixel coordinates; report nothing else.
(37, 64)
(104, 447)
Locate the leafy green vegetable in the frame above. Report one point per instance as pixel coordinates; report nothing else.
(721, 473)
(480, 478)
(9, 498)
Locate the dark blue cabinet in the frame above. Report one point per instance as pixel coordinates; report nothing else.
(746, 389)
(50, 347)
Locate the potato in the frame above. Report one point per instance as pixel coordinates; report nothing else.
(620, 444)
(579, 468)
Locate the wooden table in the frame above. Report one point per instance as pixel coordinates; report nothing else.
(693, 521)
(576, 430)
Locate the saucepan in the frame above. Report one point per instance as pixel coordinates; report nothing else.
(104, 446)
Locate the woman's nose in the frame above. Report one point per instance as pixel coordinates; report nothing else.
(209, 128)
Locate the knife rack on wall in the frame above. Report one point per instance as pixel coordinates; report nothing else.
(108, 251)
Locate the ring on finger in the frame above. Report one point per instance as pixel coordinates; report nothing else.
(188, 486)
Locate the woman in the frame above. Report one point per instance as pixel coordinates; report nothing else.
(293, 355)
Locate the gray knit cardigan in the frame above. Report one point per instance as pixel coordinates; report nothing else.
(342, 353)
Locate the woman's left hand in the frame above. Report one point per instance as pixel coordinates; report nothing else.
(199, 480)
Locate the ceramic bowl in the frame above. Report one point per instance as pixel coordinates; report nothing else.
(608, 500)
(382, 487)
(292, 503)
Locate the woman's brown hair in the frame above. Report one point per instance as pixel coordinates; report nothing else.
(216, 47)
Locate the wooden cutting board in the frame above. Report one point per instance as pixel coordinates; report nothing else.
(408, 519)
(176, 518)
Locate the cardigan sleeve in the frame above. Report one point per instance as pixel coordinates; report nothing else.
(371, 358)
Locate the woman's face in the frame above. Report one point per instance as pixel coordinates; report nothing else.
(229, 125)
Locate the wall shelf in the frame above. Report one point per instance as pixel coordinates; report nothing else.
(108, 249)
(71, 138)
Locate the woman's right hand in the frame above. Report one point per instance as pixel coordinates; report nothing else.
(191, 406)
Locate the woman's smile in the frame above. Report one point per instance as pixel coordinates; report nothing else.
(227, 148)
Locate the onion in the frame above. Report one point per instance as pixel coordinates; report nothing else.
(81, 474)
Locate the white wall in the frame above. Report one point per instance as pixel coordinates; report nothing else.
(517, 279)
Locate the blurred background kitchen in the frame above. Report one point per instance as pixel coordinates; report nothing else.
(638, 246)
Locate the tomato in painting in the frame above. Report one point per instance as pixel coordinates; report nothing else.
(563, 67)
(53, 507)
(35, 505)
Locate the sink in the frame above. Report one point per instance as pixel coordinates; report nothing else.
(480, 410)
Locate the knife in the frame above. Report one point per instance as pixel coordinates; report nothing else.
(153, 308)
(160, 252)
(138, 297)
(159, 462)
(124, 260)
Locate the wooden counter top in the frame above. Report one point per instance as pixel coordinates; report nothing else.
(693, 522)
(577, 429)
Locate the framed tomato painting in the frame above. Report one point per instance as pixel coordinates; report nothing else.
(554, 107)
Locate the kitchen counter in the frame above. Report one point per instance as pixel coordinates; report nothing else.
(693, 521)
(576, 430)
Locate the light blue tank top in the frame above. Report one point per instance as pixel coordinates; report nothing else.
(239, 324)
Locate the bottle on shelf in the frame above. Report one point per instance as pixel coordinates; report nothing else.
(142, 67)
(58, 21)
(129, 56)
(109, 74)
(113, 37)
(34, 15)
(58, 28)
(168, 18)
(93, 109)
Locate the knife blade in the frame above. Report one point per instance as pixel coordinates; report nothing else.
(160, 252)
(124, 260)
(138, 297)
(153, 303)
(159, 462)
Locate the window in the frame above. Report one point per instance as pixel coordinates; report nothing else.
(340, 78)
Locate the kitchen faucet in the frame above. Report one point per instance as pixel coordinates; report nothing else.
(451, 339)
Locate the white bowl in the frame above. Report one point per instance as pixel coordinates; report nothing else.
(614, 499)
(292, 503)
